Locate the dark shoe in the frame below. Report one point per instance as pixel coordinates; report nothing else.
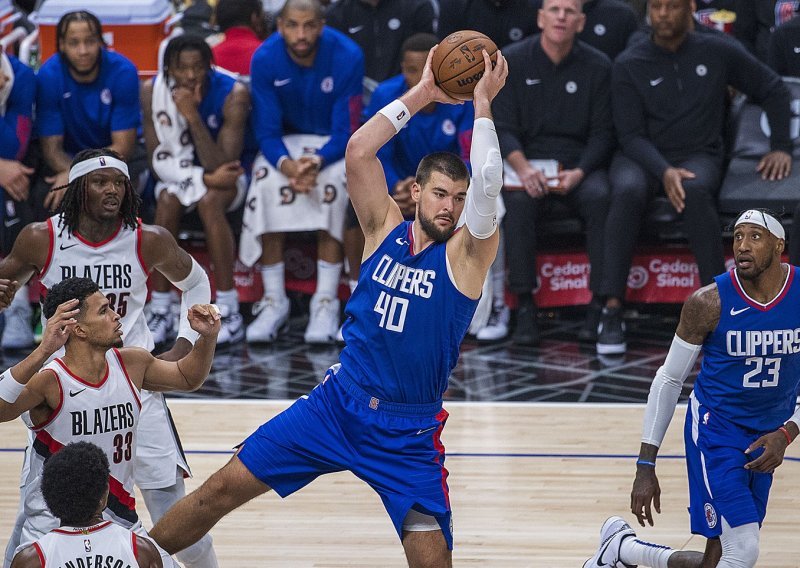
(588, 333)
(611, 332)
(526, 332)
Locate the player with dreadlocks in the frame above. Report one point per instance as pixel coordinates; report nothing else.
(96, 234)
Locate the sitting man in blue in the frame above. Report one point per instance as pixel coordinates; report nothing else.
(379, 413)
(17, 93)
(306, 87)
(88, 97)
(195, 126)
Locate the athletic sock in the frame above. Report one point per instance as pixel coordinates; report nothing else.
(229, 298)
(272, 275)
(328, 275)
(635, 551)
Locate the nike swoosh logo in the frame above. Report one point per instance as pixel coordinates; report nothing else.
(797, 49)
(355, 29)
(737, 312)
(654, 82)
(531, 82)
(71, 394)
(281, 82)
(426, 430)
(400, 241)
(62, 247)
(11, 222)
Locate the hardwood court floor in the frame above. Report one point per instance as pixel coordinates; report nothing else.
(530, 486)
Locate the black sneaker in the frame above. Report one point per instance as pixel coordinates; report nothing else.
(526, 332)
(611, 332)
(588, 333)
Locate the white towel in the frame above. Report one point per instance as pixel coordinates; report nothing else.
(5, 92)
(173, 160)
(272, 207)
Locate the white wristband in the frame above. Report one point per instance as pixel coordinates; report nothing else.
(10, 389)
(397, 113)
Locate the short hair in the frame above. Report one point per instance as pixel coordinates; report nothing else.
(74, 480)
(446, 163)
(74, 288)
(78, 16)
(187, 42)
(230, 13)
(418, 42)
(74, 201)
(304, 6)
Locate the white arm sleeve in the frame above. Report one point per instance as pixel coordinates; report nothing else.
(795, 417)
(666, 389)
(195, 289)
(487, 180)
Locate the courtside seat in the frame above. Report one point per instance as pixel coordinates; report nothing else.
(743, 187)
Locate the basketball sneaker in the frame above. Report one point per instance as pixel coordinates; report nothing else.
(611, 333)
(161, 326)
(323, 320)
(612, 533)
(272, 318)
(18, 333)
(496, 327)
(231, 328)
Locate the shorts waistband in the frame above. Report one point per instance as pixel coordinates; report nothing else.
(374, 403)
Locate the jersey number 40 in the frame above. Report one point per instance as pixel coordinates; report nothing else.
(393, 312)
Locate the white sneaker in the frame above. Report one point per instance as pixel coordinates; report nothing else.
(18, 333)
(272, 317)
(323, 320)
(612, 533)
(232, 326)
(161, 326)
(497, 326)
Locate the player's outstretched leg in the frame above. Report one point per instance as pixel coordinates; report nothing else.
(197, 513)
(427, 549)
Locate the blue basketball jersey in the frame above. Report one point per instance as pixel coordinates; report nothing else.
(405, 322)
(751, 362)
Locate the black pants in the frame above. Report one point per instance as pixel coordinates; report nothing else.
(590, 199)
(632, 187)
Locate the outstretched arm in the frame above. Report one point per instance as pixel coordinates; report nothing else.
(377, 212)
(472, 252)
(699, 317)
(189, 372)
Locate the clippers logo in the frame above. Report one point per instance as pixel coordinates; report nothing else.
(105, 96)
(327, 85)
(711, 515)
(702, 70)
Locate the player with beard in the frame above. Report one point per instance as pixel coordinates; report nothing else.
(379, 413)
(97, 234)
(92, 394)
(740, 418)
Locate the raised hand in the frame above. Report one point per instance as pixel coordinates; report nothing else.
(205, 319)
(59, 326)
(494, 77)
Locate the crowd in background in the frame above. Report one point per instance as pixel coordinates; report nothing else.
(608, 104)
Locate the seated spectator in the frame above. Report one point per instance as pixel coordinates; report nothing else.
(244, 26)
(195, 119)
(503, 21)
(669, 104)
(783, 53)
(17, 93)
(380, 27)
(609, 25)
(555, 107)
(87, 97)
(306, 84)
(756, 19)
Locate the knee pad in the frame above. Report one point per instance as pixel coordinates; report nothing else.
(739, 546)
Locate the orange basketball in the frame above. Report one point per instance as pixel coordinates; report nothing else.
(457, 63)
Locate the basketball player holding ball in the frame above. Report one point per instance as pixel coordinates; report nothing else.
(379, 412)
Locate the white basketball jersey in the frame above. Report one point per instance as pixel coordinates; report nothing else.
(116, 265)
(105, 414)
(103, 545)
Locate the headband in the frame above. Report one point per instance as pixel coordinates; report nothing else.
(98, 162)
(762, 219)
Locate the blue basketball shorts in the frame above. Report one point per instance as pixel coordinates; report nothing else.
(395, 448)
(719, 485)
